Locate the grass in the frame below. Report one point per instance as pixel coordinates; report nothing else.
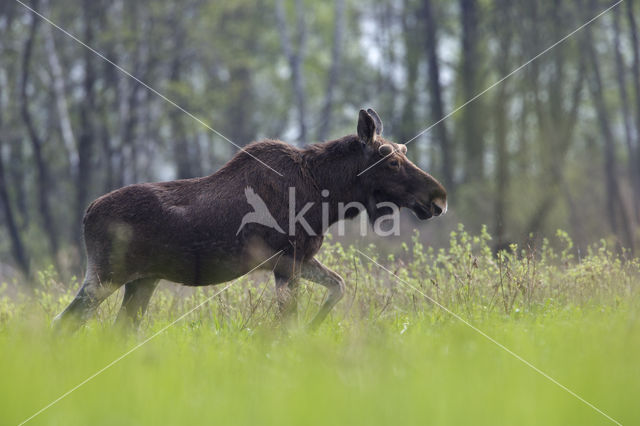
(385, 356)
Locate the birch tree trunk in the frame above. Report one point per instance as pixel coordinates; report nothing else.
(59, 93)
(296, 60)
(334, 70)
(87, 135)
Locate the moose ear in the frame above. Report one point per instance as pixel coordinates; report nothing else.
(376, 119)
(366, 127)
(403, 148)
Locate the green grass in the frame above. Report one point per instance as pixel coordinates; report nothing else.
(386, 356)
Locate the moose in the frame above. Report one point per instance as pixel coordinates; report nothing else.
(188, 231)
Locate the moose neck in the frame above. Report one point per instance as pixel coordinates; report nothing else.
(334, 167)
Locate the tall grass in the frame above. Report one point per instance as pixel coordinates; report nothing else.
(386, 355)
(468, 278)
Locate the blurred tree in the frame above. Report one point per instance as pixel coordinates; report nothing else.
(554, 146)
(632, 168)
(435, 95)
(411, 33)
(502, 20)
(295, 56)
(615, 208)
(334, 71)
(43, 178)
(556, 103)
(17, 246)
(470, 71)
(87, 137)
(635, 77)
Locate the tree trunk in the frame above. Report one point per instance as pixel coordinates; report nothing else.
(296, 60)
(179, 141)
(435, 95)
(635, 77)
(17, 247)
(16, 171)
(334, 70)
(60, 95)
(504, 34)
(37, 143)
(622, 89)
(129, 98)
(408, 124)
(110, 77)
(15, 168)
(471, 122)
(615, 209)
(555, 120)
(87, 135)
(558, 149)
(240, 112)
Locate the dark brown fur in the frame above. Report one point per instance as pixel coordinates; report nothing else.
(185, 230)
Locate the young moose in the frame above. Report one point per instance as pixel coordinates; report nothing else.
(189, 231)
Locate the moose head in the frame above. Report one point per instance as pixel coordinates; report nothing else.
(389, 176)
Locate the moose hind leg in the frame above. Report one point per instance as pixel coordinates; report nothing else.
(91, 294)
(136, 299)
(315, 271)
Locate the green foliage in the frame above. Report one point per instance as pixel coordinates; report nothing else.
(387, 354)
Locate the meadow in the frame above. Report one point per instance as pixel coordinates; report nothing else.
(388, 354)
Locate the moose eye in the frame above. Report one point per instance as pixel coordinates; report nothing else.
(394, 163)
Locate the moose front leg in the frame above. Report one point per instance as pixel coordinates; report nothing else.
(315, 271)
(287, 295)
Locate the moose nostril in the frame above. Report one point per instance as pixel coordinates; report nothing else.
(437, 210)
